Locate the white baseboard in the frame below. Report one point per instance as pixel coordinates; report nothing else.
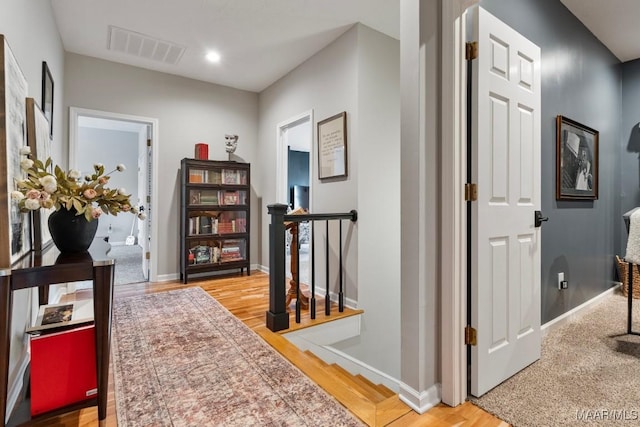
(570, 315)
(167, 277)
(420, 402)
(14, 389)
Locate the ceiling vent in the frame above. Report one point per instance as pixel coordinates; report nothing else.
(144, 46)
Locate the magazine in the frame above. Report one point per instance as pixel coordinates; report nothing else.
(54, 316)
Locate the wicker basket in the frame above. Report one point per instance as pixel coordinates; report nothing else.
(623, 275)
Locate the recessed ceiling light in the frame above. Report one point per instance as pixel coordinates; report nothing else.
(213, 57)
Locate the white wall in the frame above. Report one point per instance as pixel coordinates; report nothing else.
(111, 147)
(359, 74)
(32, 34)
(188, 111)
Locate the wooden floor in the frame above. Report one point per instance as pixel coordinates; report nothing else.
(247, 298)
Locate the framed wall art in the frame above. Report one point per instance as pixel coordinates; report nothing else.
(332, 146)
(576, 160)
(47, 96)
(15, 226)
(38, 140)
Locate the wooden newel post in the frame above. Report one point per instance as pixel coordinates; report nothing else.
(277, 316)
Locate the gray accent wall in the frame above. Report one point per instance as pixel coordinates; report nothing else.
(630, 144)
(581, 80)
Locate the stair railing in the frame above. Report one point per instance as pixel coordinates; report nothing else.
(277, 318)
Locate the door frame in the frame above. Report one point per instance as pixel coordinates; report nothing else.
(453, 218)
(282, 158)
(75, 113)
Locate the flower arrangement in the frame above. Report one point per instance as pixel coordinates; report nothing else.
(60, 189)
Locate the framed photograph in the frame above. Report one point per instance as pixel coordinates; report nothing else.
(332, 146)
(15, 226)
(47, 96)
(38, 140)
(576, 160)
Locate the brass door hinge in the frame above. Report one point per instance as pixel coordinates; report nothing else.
(147, 255)
(470, 192)
(471, 51)
(470, 336)
(148, 143)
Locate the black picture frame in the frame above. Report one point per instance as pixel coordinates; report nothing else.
(577, 167)
(47, 96)
(332, 147)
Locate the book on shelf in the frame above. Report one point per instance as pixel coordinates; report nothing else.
(52, 317)
(208, 198)
(215, 177)
(196, 176)
(201, 254)
(230, 176)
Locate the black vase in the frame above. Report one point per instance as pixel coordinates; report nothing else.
(71, 232)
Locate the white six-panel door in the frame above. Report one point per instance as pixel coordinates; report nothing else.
(505, 270)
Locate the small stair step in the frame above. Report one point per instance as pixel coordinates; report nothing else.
(351, 381)
(385, 391)
(390, 410)
(313, 356)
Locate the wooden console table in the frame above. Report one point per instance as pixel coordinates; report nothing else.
(40, 269)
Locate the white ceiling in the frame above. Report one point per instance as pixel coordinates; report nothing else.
(616, 23)
(262, 40)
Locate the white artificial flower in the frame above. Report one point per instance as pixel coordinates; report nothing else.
(26, 163)
(98, 166)
(17, 195)
(74, 174)
(142, 216)
(25, 150)
(49, 183)
(120, 167)
(87, 178)
(122, 191)
(32, 204)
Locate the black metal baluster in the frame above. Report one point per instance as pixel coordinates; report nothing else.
(327, 298)
(297, 242)
(341, 293)
(313, 271)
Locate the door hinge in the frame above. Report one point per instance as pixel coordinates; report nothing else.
(470, 336)
(148, 199)
(471, 50)
(470, 192)
(147, 255)
(148, 143)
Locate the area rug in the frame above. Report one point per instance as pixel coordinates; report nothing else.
(181, 359)
(589, 374)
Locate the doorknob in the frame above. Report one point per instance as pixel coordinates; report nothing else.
(539, 219)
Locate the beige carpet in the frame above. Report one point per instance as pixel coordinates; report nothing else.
(181, 359)
(589, 374)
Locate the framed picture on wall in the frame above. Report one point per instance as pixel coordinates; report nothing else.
(332, 146)
(47, 96)
(15, 226)
(40, 144)
(576, 160)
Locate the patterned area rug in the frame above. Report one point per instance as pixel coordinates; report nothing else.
(181, 359)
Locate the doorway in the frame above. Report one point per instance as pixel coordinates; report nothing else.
(113, 139)
(294, 173)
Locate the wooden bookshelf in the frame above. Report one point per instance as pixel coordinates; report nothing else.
(214, 217)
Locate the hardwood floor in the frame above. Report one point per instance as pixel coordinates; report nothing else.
(247, 298)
